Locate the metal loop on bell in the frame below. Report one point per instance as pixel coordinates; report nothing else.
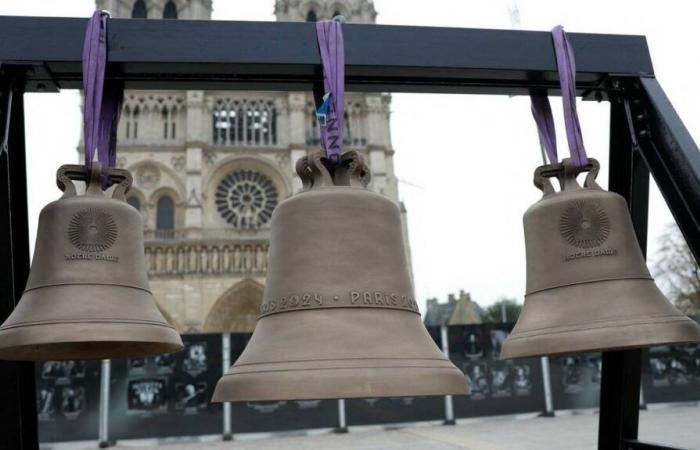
(352, 170)
(566, 173)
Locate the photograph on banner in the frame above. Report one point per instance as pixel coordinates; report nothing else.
(497, 386)
(269, 416)
(167, 393)
(68, 398)
(671, 374)
(575, 380)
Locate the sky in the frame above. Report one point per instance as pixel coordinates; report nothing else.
(465, 162)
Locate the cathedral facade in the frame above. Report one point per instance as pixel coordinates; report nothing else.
(210, 166)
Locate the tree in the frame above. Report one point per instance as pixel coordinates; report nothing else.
(678, 271)
(494, 313)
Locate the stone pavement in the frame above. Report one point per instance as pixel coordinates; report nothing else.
(677, 425)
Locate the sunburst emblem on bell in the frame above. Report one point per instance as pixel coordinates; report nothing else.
(87, 296)
(338, 317)
(588, 287)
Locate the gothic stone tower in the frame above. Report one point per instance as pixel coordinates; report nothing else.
(210, 166)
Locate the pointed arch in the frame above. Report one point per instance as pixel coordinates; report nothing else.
(170, 10)
(135, 198)
(165, 213)
(236, 311)
(139, 10)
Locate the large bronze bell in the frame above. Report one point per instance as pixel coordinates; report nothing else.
(87, 296)
(338, 317)
(588, 287)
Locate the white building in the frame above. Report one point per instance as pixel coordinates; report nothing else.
(210, 166)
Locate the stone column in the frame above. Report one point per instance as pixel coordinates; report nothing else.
(378, 120)
(297, 133)
(192, 293)
(195, 139)
(297, 119)
(377, 163)
(282, 109)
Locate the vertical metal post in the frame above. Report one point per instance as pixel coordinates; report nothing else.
(547, 387)
(621, 371)
(105, 375)
(449, 406)
(225, 365)
(18, 417)
(342, 423)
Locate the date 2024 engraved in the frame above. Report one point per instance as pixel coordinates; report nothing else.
(314, 300)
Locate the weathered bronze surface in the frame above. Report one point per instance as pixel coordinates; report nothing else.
(87, 296)
(339, 317)
(588, 287)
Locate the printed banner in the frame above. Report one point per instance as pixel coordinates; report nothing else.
(576, 380)
(68, 400)
(269, 416)
(167, 395)
(671, 374)
(497, 387)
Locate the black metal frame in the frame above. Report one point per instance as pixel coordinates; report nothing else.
(646, 135)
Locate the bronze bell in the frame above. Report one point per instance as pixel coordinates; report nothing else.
(338, 318)
(87, 296)
(588, 287)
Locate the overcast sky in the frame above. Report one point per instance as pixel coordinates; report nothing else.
(465, 161)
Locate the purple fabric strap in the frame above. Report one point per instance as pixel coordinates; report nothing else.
(331, 106)
(543, 113)
(103, 101)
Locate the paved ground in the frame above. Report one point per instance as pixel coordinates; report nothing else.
(672, 425)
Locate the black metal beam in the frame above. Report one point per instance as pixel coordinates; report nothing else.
(619, 406)
(182, 54)
(673, 159)
(621, 370)
(639, 445)
(18, 421)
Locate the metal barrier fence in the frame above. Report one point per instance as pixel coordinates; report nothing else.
(168, 395)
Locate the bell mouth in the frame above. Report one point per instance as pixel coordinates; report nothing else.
(611, 338)
(560, 321)
(340, 353)
(80, 321)
(369, 381)
(94, 350)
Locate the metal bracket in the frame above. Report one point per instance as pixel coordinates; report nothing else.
(8, 118)
(37, 76)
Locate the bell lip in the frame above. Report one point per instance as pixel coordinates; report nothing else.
(60, 342)
(327, 384)
(683, 331)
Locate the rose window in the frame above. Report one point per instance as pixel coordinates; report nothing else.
(245, 199)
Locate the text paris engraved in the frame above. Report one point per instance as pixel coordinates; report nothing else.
(314, 300)
(590, 253)
(91, 257)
